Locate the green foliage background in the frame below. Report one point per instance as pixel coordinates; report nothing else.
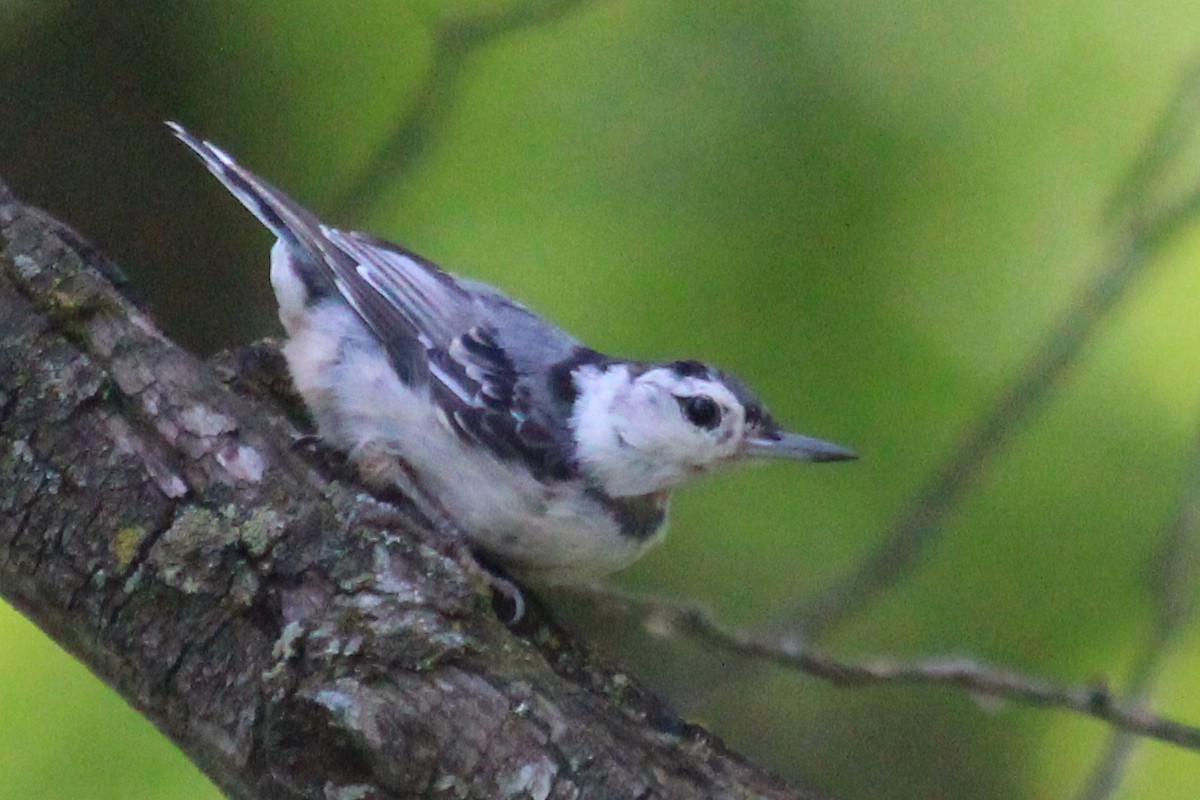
(873, 211)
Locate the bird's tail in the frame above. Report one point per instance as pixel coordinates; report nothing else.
(286, 218)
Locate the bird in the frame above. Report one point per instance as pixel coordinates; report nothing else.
(554, 460)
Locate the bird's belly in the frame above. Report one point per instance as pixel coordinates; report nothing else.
(553, 532)
(544, 533)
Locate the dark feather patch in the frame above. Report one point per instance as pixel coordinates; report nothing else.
(478, 385)
(690, 369)
(638, 517)
(757, 417)
(562, 375)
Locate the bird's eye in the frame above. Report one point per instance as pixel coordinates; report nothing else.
(701, 411)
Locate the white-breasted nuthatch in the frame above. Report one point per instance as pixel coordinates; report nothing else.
(554, 459)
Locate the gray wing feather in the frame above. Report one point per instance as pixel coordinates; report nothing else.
(430, 299)
(485, 358)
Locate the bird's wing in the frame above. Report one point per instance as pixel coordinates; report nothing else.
(486, 400)
(488, 384)
(437, 331)
(382, 280)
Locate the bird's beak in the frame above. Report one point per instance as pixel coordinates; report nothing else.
(795, 446)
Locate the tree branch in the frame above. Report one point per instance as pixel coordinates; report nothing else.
(1173, 581)
(456, 37)
(671, 620)
(295, 638)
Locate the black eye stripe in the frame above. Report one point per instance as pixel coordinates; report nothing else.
(700, 410)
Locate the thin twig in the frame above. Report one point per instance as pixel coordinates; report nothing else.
(1150, 172)
(670, 620)
(455, 40)
(1173, 583)
(920, 525)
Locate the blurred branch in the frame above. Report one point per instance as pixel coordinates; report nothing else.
(456, 39)
(1173, 133)
(674, 621)
(1174, 581)
(293, 636)
(1144, 232)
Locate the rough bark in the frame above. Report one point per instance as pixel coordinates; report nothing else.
(296, 638)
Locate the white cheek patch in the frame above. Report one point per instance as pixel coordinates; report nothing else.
(726, 432)
(632, 437)
(591, 419)
(612, 446)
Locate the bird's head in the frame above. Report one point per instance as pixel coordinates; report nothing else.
(642, 428)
